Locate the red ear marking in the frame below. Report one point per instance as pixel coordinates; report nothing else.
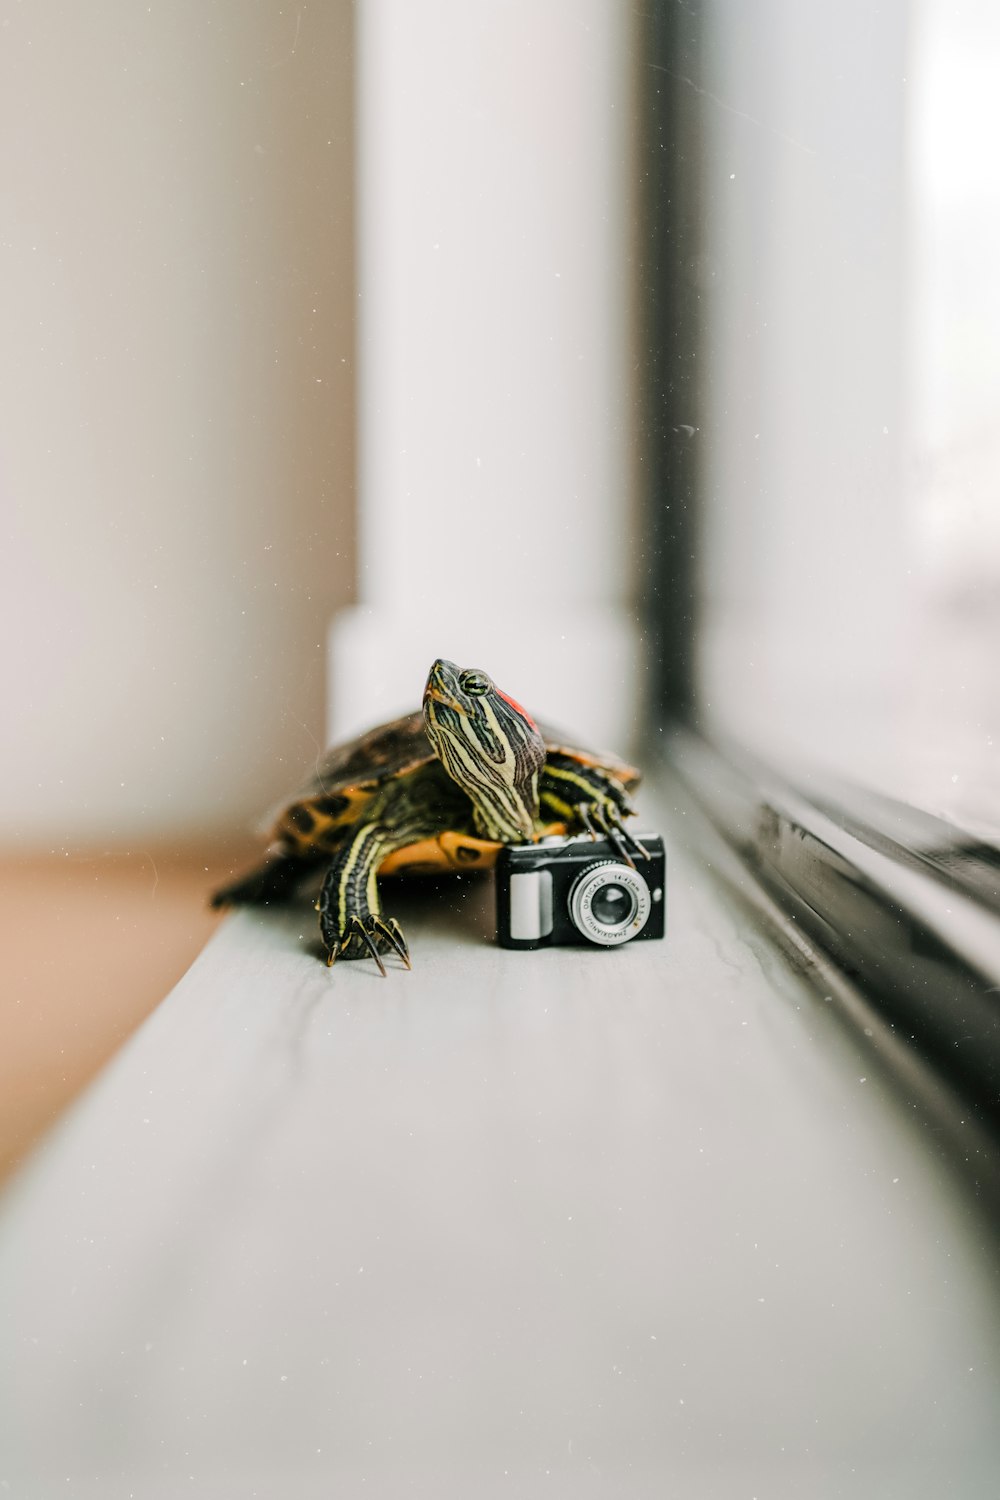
(521, 712)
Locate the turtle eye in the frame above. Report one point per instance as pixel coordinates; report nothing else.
(474, 683)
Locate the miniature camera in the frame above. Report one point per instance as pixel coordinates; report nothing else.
(573, 890)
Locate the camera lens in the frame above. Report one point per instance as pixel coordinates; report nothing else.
(609, 903)
(612, 905)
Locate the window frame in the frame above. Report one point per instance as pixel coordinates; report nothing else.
(903, 903)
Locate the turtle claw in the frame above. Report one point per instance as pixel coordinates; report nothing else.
(361, 929)
(393, 934)
(370, 931)
(615, 825)
(612, 829)
(588, 819)
(399, 933)
(636, 843)
(606, 817)
(594, 818)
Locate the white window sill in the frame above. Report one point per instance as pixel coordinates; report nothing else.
(569, 1224)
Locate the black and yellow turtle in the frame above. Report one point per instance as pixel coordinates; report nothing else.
(443, 788)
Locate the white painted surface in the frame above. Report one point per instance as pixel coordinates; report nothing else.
(578, 669)
(495, 446)
(572, 1224)
(176, 408)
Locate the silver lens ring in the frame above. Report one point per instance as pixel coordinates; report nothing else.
(588, 888)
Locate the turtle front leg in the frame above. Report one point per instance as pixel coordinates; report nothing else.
(589, 801)
(407, 810)
(350, 914)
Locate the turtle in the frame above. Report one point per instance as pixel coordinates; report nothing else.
(443, 788)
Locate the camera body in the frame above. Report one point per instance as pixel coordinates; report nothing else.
(578, 890)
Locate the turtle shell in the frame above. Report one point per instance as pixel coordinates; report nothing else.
(349, 775)
(345, 781)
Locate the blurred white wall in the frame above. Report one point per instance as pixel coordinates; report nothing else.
(176, 407)
(177, 387)
(496, 279)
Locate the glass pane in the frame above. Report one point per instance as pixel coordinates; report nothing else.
(850, 374)
(953, 489)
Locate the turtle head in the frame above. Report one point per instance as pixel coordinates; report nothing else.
(489, 745)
